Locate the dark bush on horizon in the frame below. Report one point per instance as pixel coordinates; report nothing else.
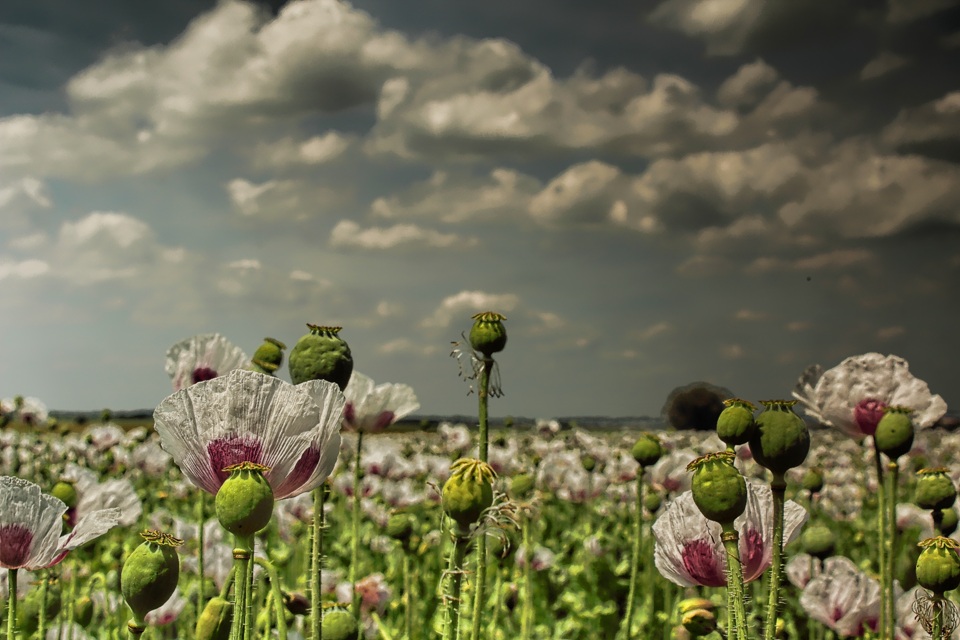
(695, 406)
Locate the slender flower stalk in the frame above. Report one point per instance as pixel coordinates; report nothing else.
(736, 611)
(889, 596)
(526, 612)
(12, 629)
(407, 596)
(451, 596)
(355, 528)
(777, 488)
(276, 596)
(646, 451)
(200, 515)
(242, 552)
(316, 563)
(881, 536)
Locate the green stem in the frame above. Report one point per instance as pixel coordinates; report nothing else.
(736, 611)
(635, 558)
(241, 560)
(277, 595)
(479, 599)
(778, 486)
(407, 597)
(42, 622)
(455, 580)
(893, 473)
(316, 563)
(526, 612)
(355, 542)
(201, 510)
(937, 629)
(498, 603)
(881, 531)
(249, 624)
(12, 630)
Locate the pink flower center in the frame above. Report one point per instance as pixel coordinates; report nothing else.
(702, 564)
(15, 541)
(234, 450)
(202, 374)
(867, 415)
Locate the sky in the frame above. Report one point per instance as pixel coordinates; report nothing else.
(652, 192)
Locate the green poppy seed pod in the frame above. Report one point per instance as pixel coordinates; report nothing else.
(321, 355)
(690, 604)
(652, 501)
(269, 355)
(83, 611)
(818, 540)
(647, 450)
(735, 424)
(66, 492)
(699, 622)
(894, 434)
(150, 574)
(215, 619)
(338, 624)
(521, 485)
(487, 335)
(781, 440)
(948, 521)
(245, 500)
(400, 526)
(719, 489)
(589, 462)
(468, 492)
(812, 480)
(938, 567)
(935, 489)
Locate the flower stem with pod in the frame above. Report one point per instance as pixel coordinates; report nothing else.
(646, 451)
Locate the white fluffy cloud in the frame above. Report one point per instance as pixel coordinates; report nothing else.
(467, 303)
(288, 151)
(349, 234)
(453, 197)
(284, 198)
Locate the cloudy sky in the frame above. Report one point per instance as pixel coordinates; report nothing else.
(652, 192)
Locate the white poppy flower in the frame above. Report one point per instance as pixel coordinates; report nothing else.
(371, 408)
(202, 357)
(246, 416)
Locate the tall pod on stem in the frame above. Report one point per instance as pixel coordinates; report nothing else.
(322, 354)
(780, 442)
(487, 336)
(465, 496)
(646, 451)
(244, 507)
(938, 571)
(894, 438)
(720, 492)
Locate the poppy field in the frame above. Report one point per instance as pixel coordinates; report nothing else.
(257, 508)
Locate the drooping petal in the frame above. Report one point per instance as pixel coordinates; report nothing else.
(93, 525)
(30, 523)
(373, 408)
(681, 536)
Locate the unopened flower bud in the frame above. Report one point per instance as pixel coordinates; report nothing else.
(269, 356)
(245, 500)
(214, 622)
(338, 624)
(894, 434)
(400, 526)
(719, 489)
(83, 611)
(150, 574)
(488, 335)
(652, 501)
(948, 521)
(781, 440)
(735, 424)
(818, 540)
(699, 622)
(66, 492)
(521, 485)
(321, 355)
(647, 450)
(813, 480)
(589, 462)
